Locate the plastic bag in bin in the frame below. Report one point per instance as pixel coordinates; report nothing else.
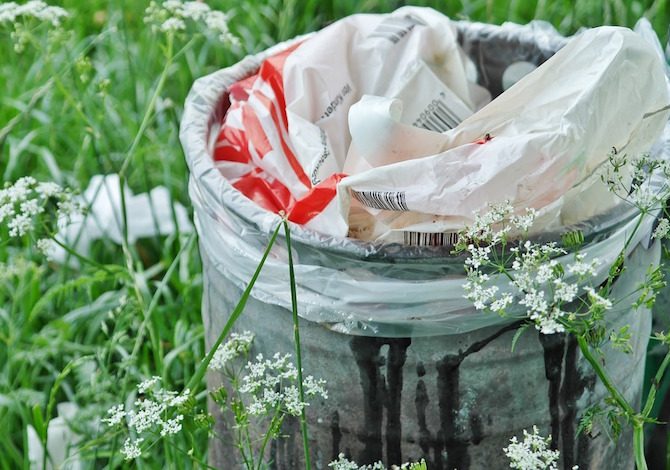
(375, 128)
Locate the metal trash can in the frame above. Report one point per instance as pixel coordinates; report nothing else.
(413, 370)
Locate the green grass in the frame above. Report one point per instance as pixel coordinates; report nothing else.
(60, 128)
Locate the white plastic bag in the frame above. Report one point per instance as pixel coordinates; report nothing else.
(544, 141)
(374, 128)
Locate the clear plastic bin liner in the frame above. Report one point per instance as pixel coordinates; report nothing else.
(362, 288)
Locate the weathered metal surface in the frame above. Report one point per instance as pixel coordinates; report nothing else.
(454, 400)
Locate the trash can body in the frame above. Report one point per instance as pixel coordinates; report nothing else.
(455, 400)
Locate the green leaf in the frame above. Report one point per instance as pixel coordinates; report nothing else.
(38, 422)
(572, 240)
(196, 379)
(518, 334)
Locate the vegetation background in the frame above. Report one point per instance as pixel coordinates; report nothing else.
(71, 110)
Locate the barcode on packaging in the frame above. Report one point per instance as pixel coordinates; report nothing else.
(430, 239)
(385, 200)
(437, 117)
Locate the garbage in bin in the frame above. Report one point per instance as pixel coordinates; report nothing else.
(414, 370)
(369, 130)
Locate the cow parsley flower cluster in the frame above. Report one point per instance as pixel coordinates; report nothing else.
(132, 448)
(641, 182)
(535, 278)
(22, 17)
(272, 385)
(173, 16)
(533, 453)
(238, 344)
(26, 205)
(12, 12)
(489, 227)
(157, 412)
(342, 463)
(662, 229)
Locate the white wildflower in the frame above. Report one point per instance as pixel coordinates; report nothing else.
(19, 225)
(552, 249)
(173, 6)
(478, 256)
(256, 408)
(644, 198)
(499, 305)
(179, 400)
(475, 290)
(272, 384)
(31, 207)
(8, 12)
(524, 280)
(172, 25)
(342, 463)
(195, 10)
(597, 300)
(23, 202)
(34, 9)
(116, 414)
(291, 401)
(533, 453)
(47, 247)
(548, 325)
(172, 426)
(174, 15)
(19, 191)
(315, 387)
(535, 302)
(546, 272)
(662, 229)
(524, 222)
(239, 343)
(6, 212)
(131, 449)
(147, 414)
(217, 23)
(67, 207)
(582, 268)
(564, 292)
(148, 384)
(487, 227)
(164, 396)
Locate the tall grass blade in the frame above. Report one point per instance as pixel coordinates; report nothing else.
(202, 368)
(298, 354)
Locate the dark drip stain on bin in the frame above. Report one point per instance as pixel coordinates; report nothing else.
(575, 384)
(380, 393)
(554, 350)
(383, 392)
(566, 385)
(456, 440)
(336, 434)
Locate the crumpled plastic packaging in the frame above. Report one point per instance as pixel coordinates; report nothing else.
(359, 287)
(148, 214)
(376, 128)
(62, 442)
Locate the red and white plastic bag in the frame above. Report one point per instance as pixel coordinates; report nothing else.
(374, 128)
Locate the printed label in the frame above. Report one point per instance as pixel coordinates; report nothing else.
(385, 200)
(337, 101)
(325, 153)
(438, 116)
(430, 239)
(394, 28)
